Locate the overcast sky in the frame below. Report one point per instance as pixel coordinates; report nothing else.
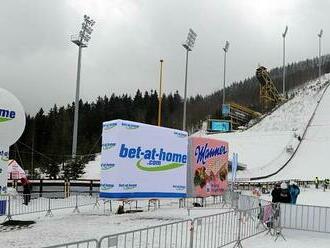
(38, 62)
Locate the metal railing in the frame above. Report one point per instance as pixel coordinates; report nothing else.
(90, 243)
(32, 203)
(305, 217)
(175, 234)
(217, 230)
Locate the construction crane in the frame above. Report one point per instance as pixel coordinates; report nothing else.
(269, 95)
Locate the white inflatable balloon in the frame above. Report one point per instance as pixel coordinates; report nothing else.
(12, 118)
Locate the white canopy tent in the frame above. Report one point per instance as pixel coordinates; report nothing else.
(15, 171)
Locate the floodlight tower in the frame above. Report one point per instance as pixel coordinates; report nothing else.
(160, 93)
(225, 49)
(320, 37)
(188, 45)
(81, 41)
(284, 35)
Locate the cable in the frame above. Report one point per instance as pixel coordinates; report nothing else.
(36, 151)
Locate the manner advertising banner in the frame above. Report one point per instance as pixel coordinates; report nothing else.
(142, 161)
(4, 157)
(209, 160)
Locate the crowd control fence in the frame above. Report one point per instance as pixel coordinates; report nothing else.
(212, 231)
(13, 205)
(306, 217)
(90, 243)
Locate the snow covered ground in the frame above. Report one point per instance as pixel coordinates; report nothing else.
(294, 239)
(90, 223)
(93, 169)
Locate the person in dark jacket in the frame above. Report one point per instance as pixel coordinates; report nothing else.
(326, 184)
(26, 190)
(276, 193)
(294, 192)
(285, 196)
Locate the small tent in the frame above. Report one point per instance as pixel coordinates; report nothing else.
(15, 171)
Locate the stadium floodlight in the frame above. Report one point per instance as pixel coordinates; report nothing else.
(188, 45)
(285, 31)
(225, 49)
(81, 41)
(284, 35)
(160, 93)
(320, 62)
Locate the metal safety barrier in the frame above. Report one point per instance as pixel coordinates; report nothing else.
(212, 231)
(90, 243)
(175, 234)
(33, 203)
(216, 230)
(305, 217)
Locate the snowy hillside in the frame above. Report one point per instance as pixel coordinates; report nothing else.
(266, 146)
(312, 157)
(92, 169)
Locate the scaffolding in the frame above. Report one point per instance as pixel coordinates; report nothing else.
(269, 95)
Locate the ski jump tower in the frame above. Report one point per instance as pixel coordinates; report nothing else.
(269, 95)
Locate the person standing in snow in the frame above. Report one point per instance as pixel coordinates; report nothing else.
(317, 181)
(26, 190)
(294, 192)
(326, 183)
(276, 193)
(285, 196)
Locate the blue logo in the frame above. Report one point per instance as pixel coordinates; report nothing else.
(130, 125)
(106, 166)
(127, 186)
(107, 146)
(180, 134)
(4, 155)
(107, 126)
(203, 152)
(154, 157)
(179, 187)
(7, 115)
(106, 186)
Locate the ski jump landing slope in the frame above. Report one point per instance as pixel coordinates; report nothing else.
(313, 155)
(269, 145)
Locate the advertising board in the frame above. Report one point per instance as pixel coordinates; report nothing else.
(219, 126)
(4, 157)
(225, 109)
(142, 161)
(209, 160)
(12, 124)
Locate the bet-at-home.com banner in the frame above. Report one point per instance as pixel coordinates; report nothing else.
(142, 161)
(209, 165)
(4, 156)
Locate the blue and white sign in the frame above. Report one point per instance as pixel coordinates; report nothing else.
(12, 124)
(225, 109)
(4, 157)
(234, 165)
(142, 161)
(219, 126)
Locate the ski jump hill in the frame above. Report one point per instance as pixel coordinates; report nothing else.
(290, 143)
